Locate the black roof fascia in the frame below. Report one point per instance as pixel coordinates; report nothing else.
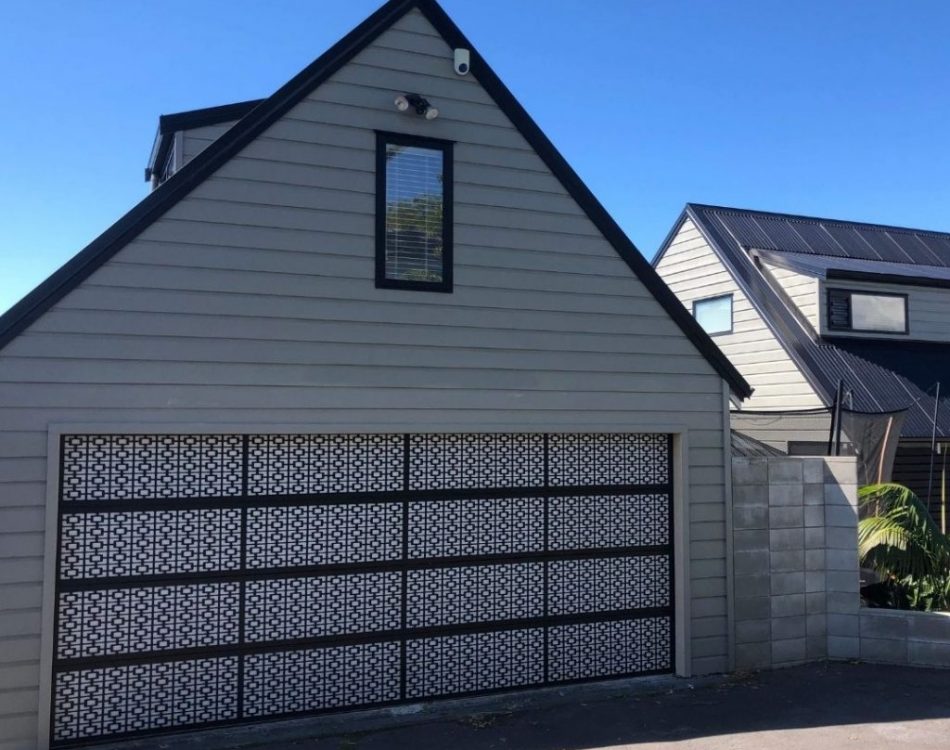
(586, 200)
(156, 203)
(886, 278)
(199, 118)
(269, 111)
(168, 125)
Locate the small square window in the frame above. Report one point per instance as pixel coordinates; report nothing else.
(714, 314)
(413, 213)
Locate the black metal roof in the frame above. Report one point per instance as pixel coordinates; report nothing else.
(880, 375)
(267, 112)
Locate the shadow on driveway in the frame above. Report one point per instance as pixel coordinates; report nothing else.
(838, 705)
(860, 706)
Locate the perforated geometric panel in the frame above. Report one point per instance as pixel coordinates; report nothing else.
(607, 521)
(305, 464)
(125, 467)
(206, 579)
(608, 459)
(469, 527)
(469, 461)
(474, 662)
(483, 593)
(321, 606)
(144, 697)
(314, 679)
(604, 649)
(323, 534)
(157, 618)
(604, 584)
(143, 543)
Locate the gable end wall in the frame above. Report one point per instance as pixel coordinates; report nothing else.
(693, 271)
(252, 302)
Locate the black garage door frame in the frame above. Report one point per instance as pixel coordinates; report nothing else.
(75, 588)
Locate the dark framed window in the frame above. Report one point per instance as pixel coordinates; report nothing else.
(413, 213)
(714, 314)
(867, 312)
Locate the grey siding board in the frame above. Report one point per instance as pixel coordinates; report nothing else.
(693, 271)
(252, 302)
(196, 140)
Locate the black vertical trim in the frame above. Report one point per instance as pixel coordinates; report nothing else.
(383, 139)
(547, 563)
(245, 469)
(671, 525)
(404, 624)
(56, 579)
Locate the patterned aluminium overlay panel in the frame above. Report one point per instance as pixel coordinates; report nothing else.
(211, 579)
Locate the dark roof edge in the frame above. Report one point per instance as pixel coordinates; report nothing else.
(668, 240)
(579, 191)
(260, 117)
(170, 124)
(150, 208)
(199, 118)
(886, 278)
(757, 289)
(824, 219)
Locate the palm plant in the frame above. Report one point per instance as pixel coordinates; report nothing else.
(901, 542)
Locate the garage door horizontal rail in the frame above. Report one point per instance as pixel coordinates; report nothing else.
(308, 571)
(396, 636)
(279, 501)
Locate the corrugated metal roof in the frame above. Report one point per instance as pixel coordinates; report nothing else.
(831, 237)
(880, 375)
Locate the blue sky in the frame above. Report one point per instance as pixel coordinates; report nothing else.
(830, 108)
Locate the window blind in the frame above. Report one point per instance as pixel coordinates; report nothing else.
(414, 213)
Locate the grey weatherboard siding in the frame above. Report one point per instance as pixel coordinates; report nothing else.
(251, 301)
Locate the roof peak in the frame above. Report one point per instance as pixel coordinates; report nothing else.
(258, 119)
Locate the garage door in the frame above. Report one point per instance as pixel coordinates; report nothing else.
(213, 579)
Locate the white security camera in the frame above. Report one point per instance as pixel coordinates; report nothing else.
(463, 62)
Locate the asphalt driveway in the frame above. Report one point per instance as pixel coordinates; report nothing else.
(859, 706)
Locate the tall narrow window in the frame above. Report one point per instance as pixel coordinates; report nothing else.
(413, 213)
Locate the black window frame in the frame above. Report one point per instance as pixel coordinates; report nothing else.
(849, 328)
(732, 312)
(383, 138)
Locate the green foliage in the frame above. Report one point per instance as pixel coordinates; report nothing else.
(421, 213)
(900, 541)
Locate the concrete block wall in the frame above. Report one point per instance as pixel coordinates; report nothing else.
(795, 560)
(920, 639)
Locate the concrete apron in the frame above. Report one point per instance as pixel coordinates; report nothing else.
(278, 732)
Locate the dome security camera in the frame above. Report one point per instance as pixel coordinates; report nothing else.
(463, 62)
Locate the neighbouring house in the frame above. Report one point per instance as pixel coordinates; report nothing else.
(800, 304)
(369, 401)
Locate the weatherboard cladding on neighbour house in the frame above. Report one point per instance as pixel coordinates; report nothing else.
(880, 374)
